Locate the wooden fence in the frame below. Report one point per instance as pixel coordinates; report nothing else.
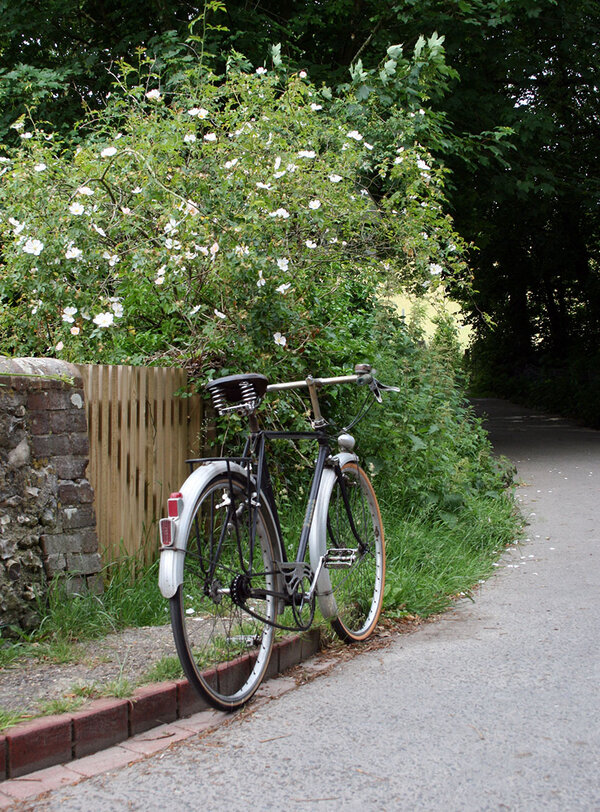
(140, 433)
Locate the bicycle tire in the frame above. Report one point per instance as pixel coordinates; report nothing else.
(224, 650)
(357, 588)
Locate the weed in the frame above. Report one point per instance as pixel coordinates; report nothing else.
(168, 668)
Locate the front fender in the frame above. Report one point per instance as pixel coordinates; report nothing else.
(170, 573)
(317, 541)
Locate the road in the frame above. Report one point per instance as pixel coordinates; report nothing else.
(493, 707)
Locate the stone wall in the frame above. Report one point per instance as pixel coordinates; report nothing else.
(47, 522)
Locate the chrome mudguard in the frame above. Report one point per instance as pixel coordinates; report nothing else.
(317, 540)
(171, 559)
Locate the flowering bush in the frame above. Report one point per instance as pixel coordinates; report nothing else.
(228, 222)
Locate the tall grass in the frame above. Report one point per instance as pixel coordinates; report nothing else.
(430, 561)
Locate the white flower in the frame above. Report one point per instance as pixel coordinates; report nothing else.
(191, 208)
(171, 226)
(195, 310)
(314, 107)
(284, 288)
(26, 135)
(435, 269)
(112, 258)
(214, 248)
(310, 244)
(76, 208)
(34, 247)
(40, 167)
(172, 245)
(218, 314)
(279, 174)
(261, 281)
(68, 313)
(72, 252)
(60, 346)
(314, 204)
(399, 159)
(279, 339)
(423, 166)
(108, 152)
(355, 135)
(198, 112)
(261, 185)
(291, 167)
(230, 164)
(307, 153)
(368, 146)
(283, 213)
(303, 74)
(137, 190)
(104, 319)
(283, 264)
(75, 331)
(117, 309)
(189, 138)
(17, 125)
(99, 230)
(261, 71)
(85, 190)
(241, 250)
(210, 137)
(335, 178)
(17, 227)
(153, 95)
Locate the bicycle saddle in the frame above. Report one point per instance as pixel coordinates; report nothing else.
(242, 391)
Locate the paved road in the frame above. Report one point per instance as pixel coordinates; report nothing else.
(494, 707)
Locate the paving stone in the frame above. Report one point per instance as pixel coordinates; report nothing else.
(100, 726)
(111, 759)
(38, 783)
(155, 740)
(152, 705)
(38, 744)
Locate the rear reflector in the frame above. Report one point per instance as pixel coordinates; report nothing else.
(174, 505)
(167, 532)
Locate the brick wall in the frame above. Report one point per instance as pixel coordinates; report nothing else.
(47, 522)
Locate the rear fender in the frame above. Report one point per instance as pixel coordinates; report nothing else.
(170, 573)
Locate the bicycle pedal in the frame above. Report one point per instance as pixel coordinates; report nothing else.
(339, 558)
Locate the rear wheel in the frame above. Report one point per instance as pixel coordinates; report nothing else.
(221, 613)
(356, 555)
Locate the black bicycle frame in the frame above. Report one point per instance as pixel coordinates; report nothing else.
(255, 446)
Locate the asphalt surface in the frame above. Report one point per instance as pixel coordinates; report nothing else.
(493, 707)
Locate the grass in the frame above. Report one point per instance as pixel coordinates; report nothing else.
(131, 598)
(168, 668)
(431, 561)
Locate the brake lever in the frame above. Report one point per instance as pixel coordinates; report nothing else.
(364, 371)
(377, 388)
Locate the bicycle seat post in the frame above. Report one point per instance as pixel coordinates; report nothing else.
(318, 421)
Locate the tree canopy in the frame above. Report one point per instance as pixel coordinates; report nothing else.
(513, 113)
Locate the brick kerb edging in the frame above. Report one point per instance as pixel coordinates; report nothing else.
(51, 740)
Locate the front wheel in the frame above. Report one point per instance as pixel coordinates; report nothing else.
(223, 611)
(355, 555)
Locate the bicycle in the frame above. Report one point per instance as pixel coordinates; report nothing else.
(223, 562)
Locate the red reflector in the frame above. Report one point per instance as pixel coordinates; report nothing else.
(166, 532)
(174, 505)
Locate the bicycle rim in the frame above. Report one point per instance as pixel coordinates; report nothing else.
(223, 649)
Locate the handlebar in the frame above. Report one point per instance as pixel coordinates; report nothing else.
(363, 376)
